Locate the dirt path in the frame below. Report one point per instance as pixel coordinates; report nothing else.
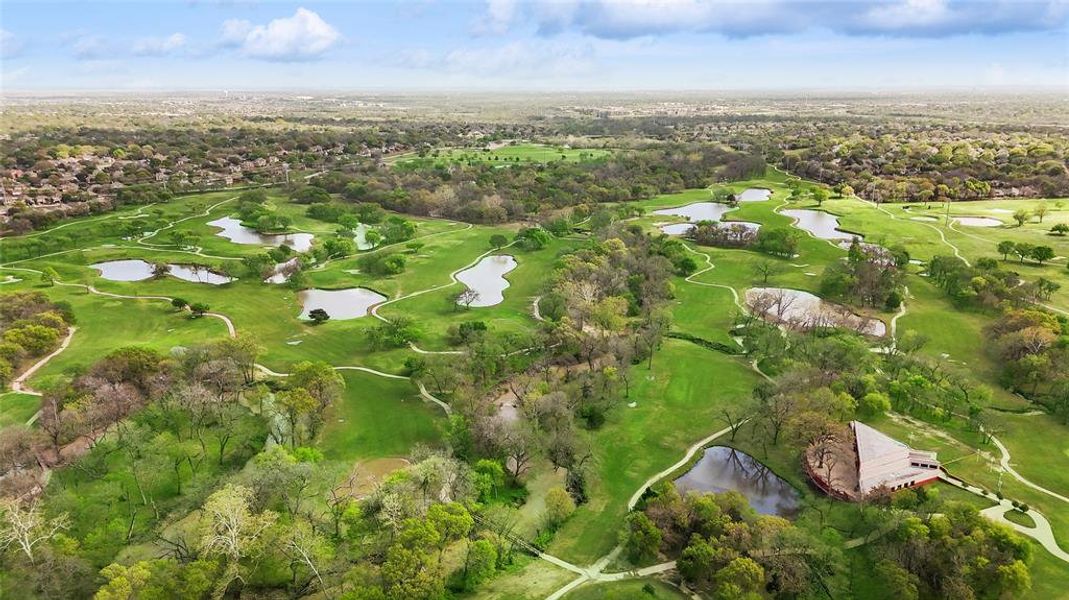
(18, 384)
(423, 392)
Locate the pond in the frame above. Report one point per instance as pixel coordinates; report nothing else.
(822, 225)
(487, 279)
(282, 271)
(754, 195)
(138, 270)
(698, 211)
(233, 230)
(723, 469)
(361, 238)
(978, 222)
(350, 303)
(684, 228)
(803, 310)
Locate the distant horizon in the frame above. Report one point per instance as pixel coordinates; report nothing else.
(576, 46)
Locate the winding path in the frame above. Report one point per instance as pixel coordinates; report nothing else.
(18, 384)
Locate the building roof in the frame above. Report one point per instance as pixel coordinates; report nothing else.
(872, 445)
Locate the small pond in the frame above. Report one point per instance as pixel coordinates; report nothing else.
(804, 310)
(282, 271)
(361, 238)
(925, 218)
(754, 195)
(487, 278)
(138, 270)
(698, 211)
(350, 303)
(723, 469)
(978, 222)
(822, 225)
(233, 230)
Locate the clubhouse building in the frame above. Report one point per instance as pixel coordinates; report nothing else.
(868, 461)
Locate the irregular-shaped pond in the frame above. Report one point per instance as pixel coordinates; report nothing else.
(753, 195)
(487, 279)
(803, 310)
(138, 270)
(822, 225)
(233, 230)
(684, 228)
(978, 222)
(124, 270)
(723, 469)
(698, 211)
(361, 238)
(282, 271)
(350, 303)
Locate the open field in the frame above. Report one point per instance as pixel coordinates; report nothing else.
(678, 400)
(503, 155)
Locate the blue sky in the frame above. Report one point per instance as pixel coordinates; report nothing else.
(514, 45)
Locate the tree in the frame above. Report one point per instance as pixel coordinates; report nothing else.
(742, 578)
(22, 525)
(199, 309)
(412, 568)
(643, 538)
(1060, 229)
(294, 405)
(318, 316)
(160, 270)
(480, 563)
(559, 506)
(1006, 248)
(231, 531)
(820, 195)
(766, 269)
(498, 241)
(1040, 211)
(1022, 216)
(1023, 250)
(49, 276)
(179, 303)
(466, 298)
(1042, 254)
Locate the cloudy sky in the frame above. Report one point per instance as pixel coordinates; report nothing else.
(516, 45)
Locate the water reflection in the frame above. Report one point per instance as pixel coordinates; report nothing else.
(487, 279)
(723, 469)
(233, 230)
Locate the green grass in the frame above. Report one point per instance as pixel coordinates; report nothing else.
(17, 408)
(630, 589)
(505, 155)
(677, 404)
(376, 418)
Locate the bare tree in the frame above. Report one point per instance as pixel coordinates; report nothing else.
(24, 526)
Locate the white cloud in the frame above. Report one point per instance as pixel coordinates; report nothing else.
(621, 19)
(10, 46)
(90, 47)
(304, 36)
(499, 16)
(159, 46)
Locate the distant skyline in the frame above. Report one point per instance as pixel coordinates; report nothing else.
(507, 45)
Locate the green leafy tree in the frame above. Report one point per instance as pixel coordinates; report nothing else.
(49, 276)
(559, 506)
(1006, 248)
(480, 563)
(643, 540)
(498, 241)
(318, 316)
(1042, 254)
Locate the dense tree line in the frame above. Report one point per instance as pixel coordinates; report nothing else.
(31, 325)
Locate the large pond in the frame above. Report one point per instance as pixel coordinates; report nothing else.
(723, 469)
(978, 221)
(350, 303)
(684, 228)
(233, 230)
(138, 270)
(822, 225)
(487, 278)
(803, 310)
(754, 195)
(698, 211)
